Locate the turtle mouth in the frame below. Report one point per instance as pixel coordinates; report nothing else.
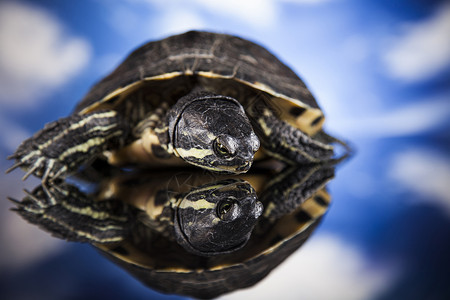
(242, 168)
(245, 167)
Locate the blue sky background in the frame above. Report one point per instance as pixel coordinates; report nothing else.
(379, 69)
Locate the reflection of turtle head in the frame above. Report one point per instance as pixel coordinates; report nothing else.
(213, 132)
(217, 218)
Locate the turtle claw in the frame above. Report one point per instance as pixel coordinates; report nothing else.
(34, 163)
(35, 202)
(50, 196)
(61, 170)
(34, 198)
(15, 201)
(32, 205)
(12, 156)
(15, 166)
(48, 169)
(33, 168)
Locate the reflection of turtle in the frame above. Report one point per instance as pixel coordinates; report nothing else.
(199, 96)
(151, 255)
(164, 266)
(210, 219)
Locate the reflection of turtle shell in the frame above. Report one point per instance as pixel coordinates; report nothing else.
(294, 200)
(165, 266)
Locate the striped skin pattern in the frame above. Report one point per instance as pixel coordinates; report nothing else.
(292, 187)
(62, 146)
(285, 142)
(69, 214)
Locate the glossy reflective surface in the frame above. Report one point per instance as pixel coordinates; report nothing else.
(132, 218)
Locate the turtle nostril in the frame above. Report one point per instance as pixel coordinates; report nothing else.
(258, 209)
(255, 143)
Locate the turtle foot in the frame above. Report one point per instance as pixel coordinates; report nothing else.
(35, 163)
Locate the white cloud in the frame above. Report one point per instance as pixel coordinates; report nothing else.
(324, 268)
(423, 50)
(258, 13)
(36, 55)
(179, 20)
(122, 18)
(407, 120)
(425, 173)
(166, 17)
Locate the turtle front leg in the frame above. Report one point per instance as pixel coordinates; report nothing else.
(64, 145)
(285, 142)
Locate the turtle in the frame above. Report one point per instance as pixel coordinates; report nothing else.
(206, 99)
(295, 199)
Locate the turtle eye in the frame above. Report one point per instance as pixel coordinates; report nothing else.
(221, 149)
(224, 208)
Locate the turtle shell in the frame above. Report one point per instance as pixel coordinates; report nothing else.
(219, 63)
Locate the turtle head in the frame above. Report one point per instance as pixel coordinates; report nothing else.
(213, 132)
(217, 218)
